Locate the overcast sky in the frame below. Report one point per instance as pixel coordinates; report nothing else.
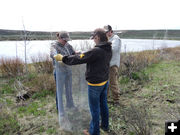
(86, 15)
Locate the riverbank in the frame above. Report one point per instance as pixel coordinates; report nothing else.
(149, 83)
(17, 35)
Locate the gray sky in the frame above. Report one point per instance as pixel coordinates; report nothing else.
(86, 15)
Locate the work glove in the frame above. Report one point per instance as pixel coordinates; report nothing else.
(58, 57)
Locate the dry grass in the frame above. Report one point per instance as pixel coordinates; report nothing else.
(42, 63)
(40, 82)
(170, 53)
(11, 66)
(130, 62)
(138, 120)
(134, 62)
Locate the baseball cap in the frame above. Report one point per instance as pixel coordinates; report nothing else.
(63, 35)
(107, 28)
(97, 31)
(93, 34)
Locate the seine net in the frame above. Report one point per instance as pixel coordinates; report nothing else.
(75, 117)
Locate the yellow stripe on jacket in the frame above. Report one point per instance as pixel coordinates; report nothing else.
(97, 84)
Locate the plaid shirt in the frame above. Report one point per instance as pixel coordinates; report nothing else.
(57, 48)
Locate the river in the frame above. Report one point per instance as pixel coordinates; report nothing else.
(34, 48)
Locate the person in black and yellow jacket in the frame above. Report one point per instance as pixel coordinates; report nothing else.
(97, 75)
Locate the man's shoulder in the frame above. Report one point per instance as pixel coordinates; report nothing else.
(93, 50)
(68, 44)
(116, 37)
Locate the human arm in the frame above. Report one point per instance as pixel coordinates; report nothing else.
(86, 57)
(53, 51)
(116, 44)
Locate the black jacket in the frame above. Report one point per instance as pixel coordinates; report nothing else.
(97, 59)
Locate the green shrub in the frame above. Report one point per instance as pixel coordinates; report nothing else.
(41, 94)
(51, 131)
(135, 62)
(6, 89)
(142, 76)
(124, 80)
(32, 109)
(8, 123)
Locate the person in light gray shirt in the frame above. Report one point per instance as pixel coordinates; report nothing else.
(114, 64)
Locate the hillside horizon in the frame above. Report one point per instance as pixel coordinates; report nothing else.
(172, 34)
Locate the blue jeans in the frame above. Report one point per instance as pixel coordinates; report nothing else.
(97, 96)
(63, 79)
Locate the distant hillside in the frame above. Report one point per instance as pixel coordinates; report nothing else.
(38, 35)
(20, 35)
(131, 34)
(151, 34)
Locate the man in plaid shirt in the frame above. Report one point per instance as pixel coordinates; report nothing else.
(62, 72)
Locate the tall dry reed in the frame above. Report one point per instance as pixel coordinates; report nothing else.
(11, 66)
(42, 63)
(136, 61)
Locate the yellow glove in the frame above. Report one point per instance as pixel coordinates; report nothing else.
(58, 57)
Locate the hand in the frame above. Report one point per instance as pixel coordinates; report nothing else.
(58, 57)
(78, 52)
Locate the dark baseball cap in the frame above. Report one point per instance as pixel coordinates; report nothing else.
(93, 34)
(97, 31)
(63, 35)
